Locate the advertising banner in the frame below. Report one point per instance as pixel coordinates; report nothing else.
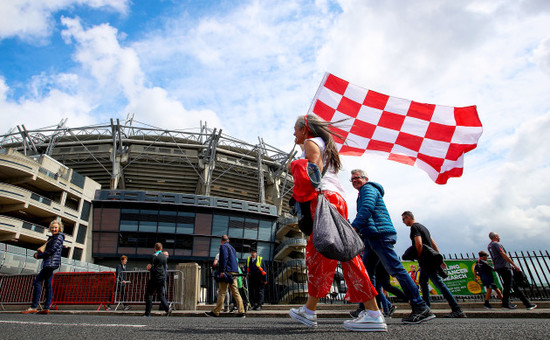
(461, 279)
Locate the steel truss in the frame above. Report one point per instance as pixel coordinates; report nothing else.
(213, 158)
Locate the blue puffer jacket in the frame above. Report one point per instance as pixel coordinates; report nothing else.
(52, 254)
(373, 219)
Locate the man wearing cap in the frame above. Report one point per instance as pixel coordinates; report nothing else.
(374, 224)
(257, 279)
(485, 271)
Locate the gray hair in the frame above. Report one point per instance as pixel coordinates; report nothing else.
(360, 172)
(492, 235)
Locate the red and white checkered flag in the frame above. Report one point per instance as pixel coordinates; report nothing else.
(431, 137)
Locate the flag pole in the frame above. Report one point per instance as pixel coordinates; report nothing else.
(317, 93)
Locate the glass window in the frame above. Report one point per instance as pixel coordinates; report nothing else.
(81, 235)
(167, 241)
(146, 241)
(127, 240)
(266, 230)
(129, 214)
(129, 225)
(77, 254)
(183, 228)
(148, 226)
(219, 225)
(167, 216)
(85, 213)
(236, 227)
(149, 215)
(264, 249)
(184, 242)
(215, 246)
(186, 217)
(251, 228)
(185, 222)
(167, 227)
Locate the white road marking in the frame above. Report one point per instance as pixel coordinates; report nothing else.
(70, 324)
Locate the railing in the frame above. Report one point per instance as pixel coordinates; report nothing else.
(535, 265)
(286, 282)
(19, 260)
(133, 291)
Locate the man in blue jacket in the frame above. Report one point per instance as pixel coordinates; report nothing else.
(227, 268)
(51, 255)
(374, 224)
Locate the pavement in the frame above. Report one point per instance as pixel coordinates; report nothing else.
(324, 311)
(61, 325)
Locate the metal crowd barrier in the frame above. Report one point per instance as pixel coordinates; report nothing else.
(133, 292)
(82, 288)
(17, 289)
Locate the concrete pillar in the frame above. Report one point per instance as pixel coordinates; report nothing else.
(191, 286)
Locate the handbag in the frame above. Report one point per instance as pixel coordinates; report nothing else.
(42, 248)
(333, 235)
(307, 177)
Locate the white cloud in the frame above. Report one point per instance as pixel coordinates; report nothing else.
(99, 52)
(254, 63)
(154, 106)
(34, 20)
(116, 71)
(253, 67)
(542, 55)
(44, 110)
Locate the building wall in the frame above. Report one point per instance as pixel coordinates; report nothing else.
(189, 226)
(33, 192)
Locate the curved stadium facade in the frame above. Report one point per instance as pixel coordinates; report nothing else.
(182, 188)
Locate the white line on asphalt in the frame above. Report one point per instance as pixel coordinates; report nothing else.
(70, 324)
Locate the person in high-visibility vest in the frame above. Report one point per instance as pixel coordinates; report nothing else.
(257, 280)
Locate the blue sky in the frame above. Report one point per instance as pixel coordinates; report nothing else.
(250, 67)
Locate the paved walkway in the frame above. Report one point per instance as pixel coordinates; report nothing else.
(472, 310)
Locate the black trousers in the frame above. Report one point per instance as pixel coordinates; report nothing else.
(507, 285)
(256, 291)
(155, 285)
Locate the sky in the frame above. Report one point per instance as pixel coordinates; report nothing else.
(250, 67)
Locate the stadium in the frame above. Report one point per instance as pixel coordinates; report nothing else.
(184, 188)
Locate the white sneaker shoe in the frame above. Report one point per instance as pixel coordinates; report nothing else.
(299, 314)
(365, 323)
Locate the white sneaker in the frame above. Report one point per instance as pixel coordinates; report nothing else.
(299, 314)
(365, 323)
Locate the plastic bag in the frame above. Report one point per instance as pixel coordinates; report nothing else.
(333, 235)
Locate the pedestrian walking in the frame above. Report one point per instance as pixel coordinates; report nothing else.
(504, 266)
(379, 236)
(157, 268)
(315, 138)
(422, 241)
(50, 253)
